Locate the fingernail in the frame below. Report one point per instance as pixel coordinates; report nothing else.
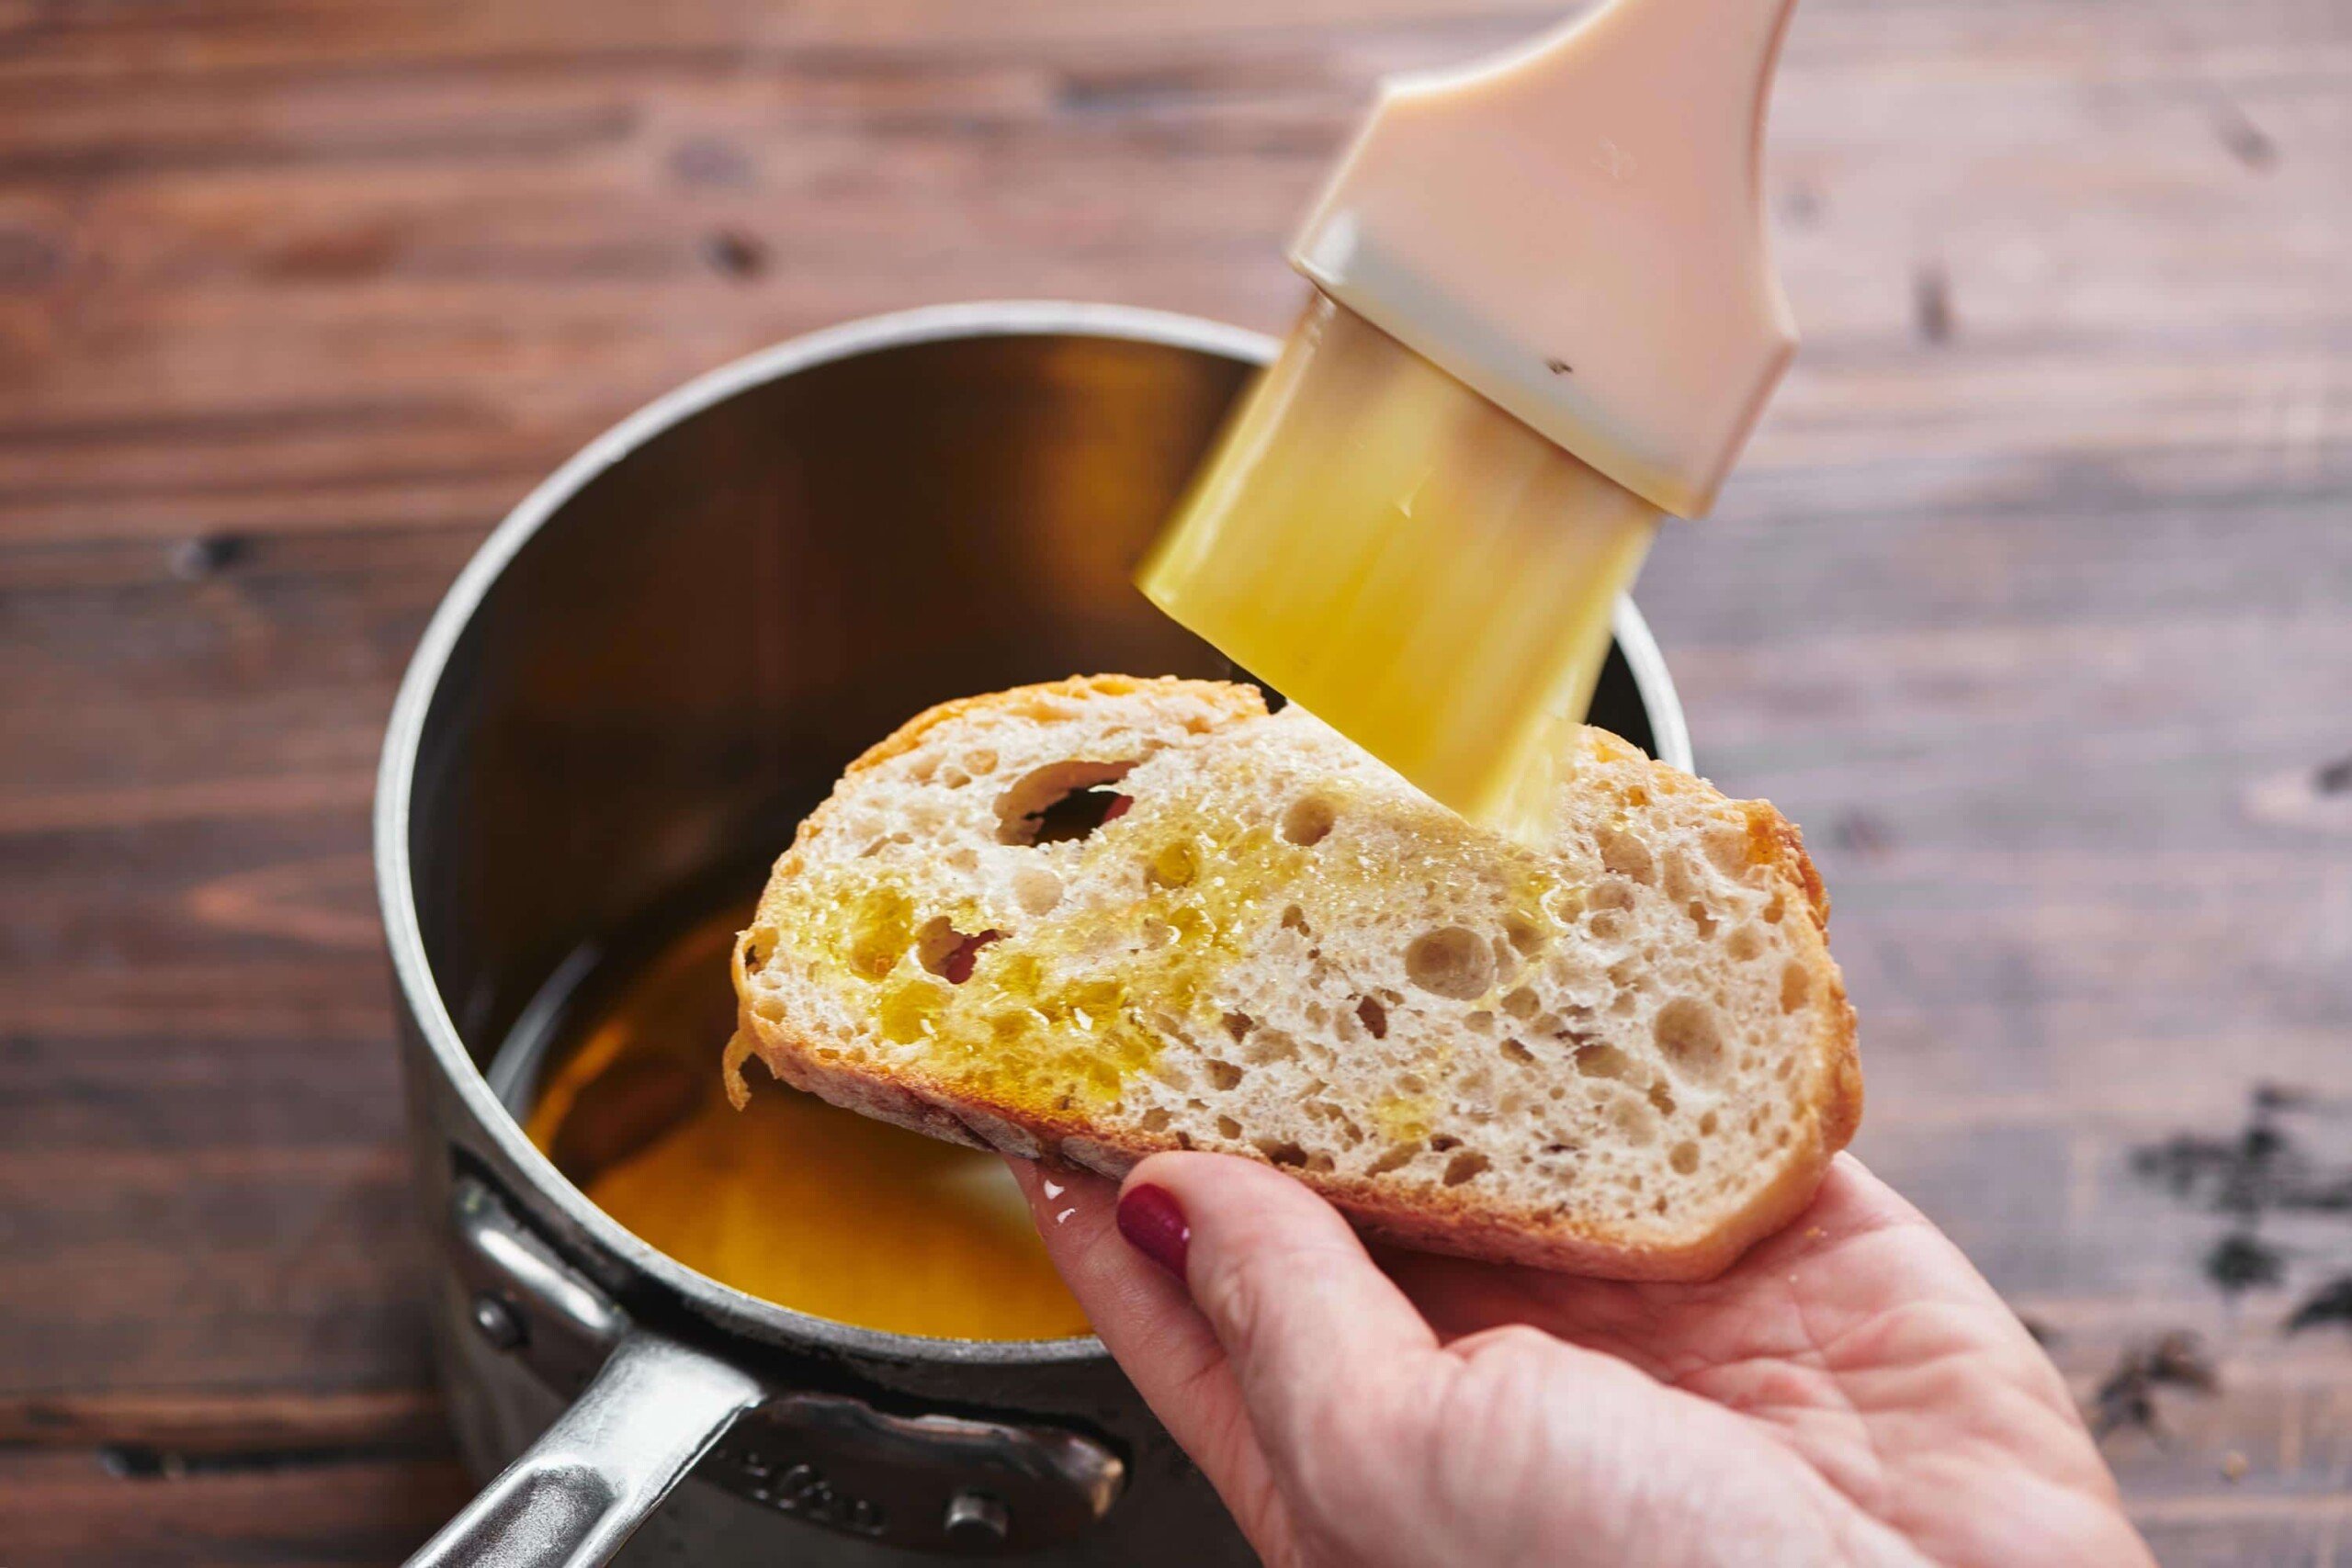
(1153, 1222)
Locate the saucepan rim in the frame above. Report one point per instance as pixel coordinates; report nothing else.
(722, 1305)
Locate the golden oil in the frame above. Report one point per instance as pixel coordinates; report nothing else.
(793, 1200)
(1061, 1010)
(1019, 1031)
(1414, 566)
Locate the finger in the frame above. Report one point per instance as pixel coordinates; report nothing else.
(1147, 1321)
(1863, 1244)
(1141, 1315)
(1318, 1339)
(1851, 1204)
(1858, 1217)
(1643, 1323)
(1858, 1253)
(1863, 1254)
(1458, 1296)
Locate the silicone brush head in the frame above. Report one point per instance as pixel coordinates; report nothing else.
(1409, 563)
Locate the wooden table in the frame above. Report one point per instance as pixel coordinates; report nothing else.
(2032, 602)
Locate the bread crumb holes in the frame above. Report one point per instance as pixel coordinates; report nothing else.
(1466, 1166)
(1600, 1061)
(1059, 802)
(1689, 1032)
(1452, 962)
(1627, 855)
(1309, 821)
(1524, 935)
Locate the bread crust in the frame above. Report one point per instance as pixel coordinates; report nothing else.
(1444, 1220)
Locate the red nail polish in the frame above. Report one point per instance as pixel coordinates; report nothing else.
(1153, 1222)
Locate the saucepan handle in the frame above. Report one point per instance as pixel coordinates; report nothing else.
(583, 1489)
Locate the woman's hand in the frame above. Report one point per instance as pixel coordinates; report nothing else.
(1850, 1391)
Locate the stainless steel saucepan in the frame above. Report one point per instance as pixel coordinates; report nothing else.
(656, 664)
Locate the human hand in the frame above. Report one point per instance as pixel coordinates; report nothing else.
(1851, 1392)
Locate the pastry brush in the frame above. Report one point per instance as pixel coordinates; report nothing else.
(1544, 316)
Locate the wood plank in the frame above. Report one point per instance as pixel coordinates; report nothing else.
(2030, 602)
(227, 1426)
(64, 1507)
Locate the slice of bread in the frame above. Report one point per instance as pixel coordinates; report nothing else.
(1106, 916)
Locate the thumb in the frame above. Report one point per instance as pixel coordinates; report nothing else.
(1318, 1338)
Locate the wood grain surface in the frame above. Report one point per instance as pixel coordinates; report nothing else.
(2032, 602)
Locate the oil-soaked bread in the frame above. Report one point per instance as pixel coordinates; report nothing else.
(1107, 916)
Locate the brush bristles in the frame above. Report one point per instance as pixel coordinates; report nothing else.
(1412, 565)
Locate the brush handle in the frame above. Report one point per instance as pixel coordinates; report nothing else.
(1576, 228)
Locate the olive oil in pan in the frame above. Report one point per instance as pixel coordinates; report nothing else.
(792, 1200)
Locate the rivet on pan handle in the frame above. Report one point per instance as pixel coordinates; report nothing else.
(526, 1299)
